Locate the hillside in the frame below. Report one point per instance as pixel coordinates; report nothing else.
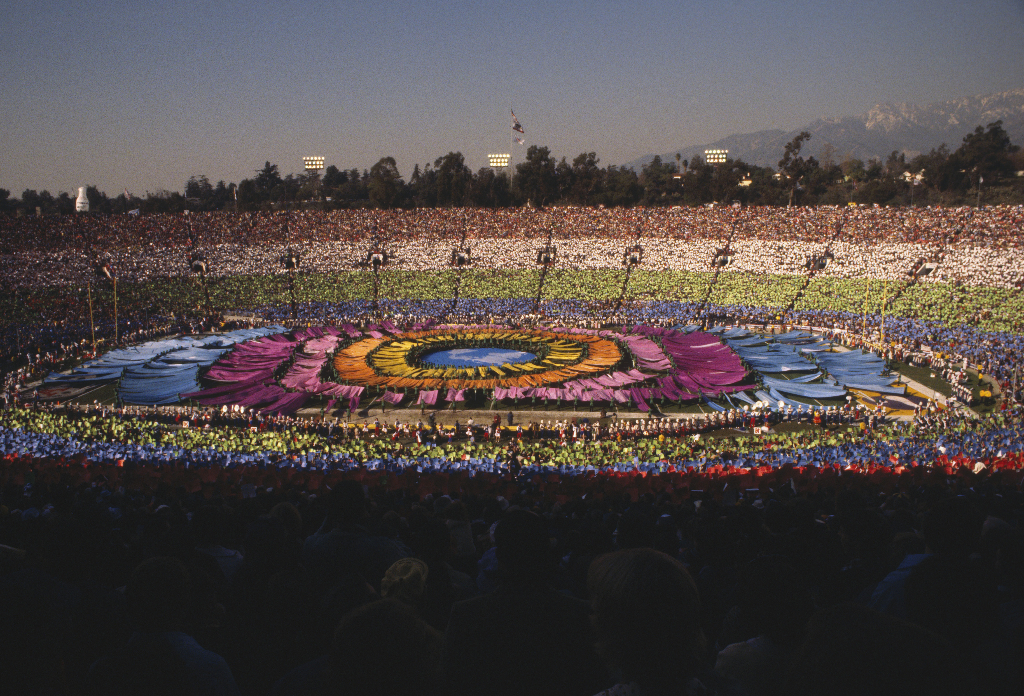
(907, 128)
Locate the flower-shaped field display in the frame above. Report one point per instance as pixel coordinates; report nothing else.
(635, 366)
(276, 370)
(403, 361)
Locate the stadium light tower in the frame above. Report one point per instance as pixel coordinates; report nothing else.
(499, 161)
(313, 165)
(716, 156)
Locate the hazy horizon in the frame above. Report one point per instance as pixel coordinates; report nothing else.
(143, 95)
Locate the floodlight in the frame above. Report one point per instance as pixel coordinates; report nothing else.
(498, 161)
(313, 164)
(715, 156)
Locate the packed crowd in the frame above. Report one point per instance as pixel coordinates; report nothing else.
(884, 578)
(751, 438)
(865, 242)
(867, 251)
(183, 550)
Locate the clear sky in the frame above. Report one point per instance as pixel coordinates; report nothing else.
(142, 95)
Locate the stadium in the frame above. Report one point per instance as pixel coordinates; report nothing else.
(687, 379)
(512, 349)
(494, 338)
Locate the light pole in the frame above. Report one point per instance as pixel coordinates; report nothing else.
(313, 165)
(498, 161)
(716, 157)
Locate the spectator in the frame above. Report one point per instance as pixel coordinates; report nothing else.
(384, 649)
(161, 657)
(850, 649)
(774, 605)
(647, 620)
(524, 637)
(343, 544)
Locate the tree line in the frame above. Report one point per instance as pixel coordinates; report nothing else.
(982, 170)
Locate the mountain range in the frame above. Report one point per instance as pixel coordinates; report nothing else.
(905, 128)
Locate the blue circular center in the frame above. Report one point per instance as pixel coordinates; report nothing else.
(476, 357)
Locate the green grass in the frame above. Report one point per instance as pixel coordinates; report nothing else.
(107, 394)
(923, 375)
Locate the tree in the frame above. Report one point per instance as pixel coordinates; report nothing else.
(30, 201)
(221, 195)
(98, 201)
(874, 170)
(491, 189)
(385, 183)
(936, 167)
(199, 191)
(659, 183)
(423, 187)
(587, 179)
(697, 183)
(267, 179)
(622, 188)
(453, 179)
(793, 166)
(764, 187)
(198, 187)
(248, 195)
(853, 169)
(309, 186)
(334, 177)
(986, 153)
(565, 178)
(355, 187)
(895, 164)
(65, 203)
(535, 178)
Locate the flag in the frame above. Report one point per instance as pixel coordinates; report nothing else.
(520, 140)
(516, 125)
(127, 195)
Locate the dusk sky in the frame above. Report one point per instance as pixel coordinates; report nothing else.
(142, 95)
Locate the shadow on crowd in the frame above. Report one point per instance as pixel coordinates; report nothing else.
(836, 589)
